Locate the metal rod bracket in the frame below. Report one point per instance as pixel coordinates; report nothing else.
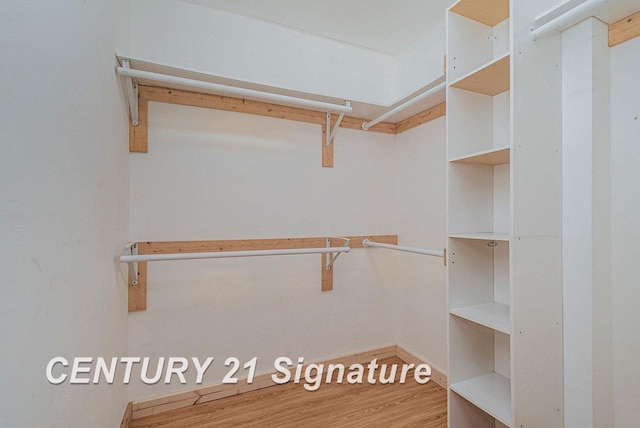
(331, 258)
(131, 249)
(331, 133)
(132, 93)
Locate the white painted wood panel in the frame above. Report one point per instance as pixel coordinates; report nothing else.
(501, 199)
(470, 198)
(501, 278)
(469, 45)
(537, 361)
(472, 130)
(502, 120)
(463, 414)
(536, 111)
(502, 41)
(625, 293)
(502, 354)
(471, 350)
(471, 273)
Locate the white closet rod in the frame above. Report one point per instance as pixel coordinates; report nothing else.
(232, 90)
(439, 87)
(562, 16)
(224, 254)
(367, 243)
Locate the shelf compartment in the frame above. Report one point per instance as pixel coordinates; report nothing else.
(482, 236)
(481, 128)
(487, 12)
(496, 156)
(493, 315)
(479, 200)
(490, 79)
(490, 392)
(479, 288)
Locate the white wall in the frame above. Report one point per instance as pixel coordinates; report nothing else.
(242, 48)
(421, 62)
(64, 193)
(420, 220)
(625, 199)
(221, 175)
(221, 43)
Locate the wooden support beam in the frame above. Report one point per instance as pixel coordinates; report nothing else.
(327, 274)
(421, 118)
(138, 293)
(138, 134)
(218, 102)
(356, 123)
(625, 29)
(327, 151)
(168, 247)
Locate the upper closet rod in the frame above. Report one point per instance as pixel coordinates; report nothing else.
(367, 243)
(562, 16)
(239, 92)
(440, 85)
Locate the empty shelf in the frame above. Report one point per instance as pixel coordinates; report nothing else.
(483, 236)
(497, 156)
(493, 315)
(490, 392)
(490, 79)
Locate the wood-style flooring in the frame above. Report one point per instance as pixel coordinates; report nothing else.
(333, 405)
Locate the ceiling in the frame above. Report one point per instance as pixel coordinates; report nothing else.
(381, 25)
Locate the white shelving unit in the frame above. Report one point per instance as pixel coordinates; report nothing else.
(504, 278)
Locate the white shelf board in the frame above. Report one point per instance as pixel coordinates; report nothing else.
(493, 315)
(490, 392)
(495, 156)
(482, 236)
(490, 79)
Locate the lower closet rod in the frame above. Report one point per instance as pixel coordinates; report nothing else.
(367, 243)
(223, 254)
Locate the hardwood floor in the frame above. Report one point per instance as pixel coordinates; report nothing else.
(333, 405)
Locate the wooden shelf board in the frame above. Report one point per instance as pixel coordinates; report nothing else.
(493, 315)
(495, 156)
(490, 79)
(487, 12)
(483, 236)
(490, 392)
